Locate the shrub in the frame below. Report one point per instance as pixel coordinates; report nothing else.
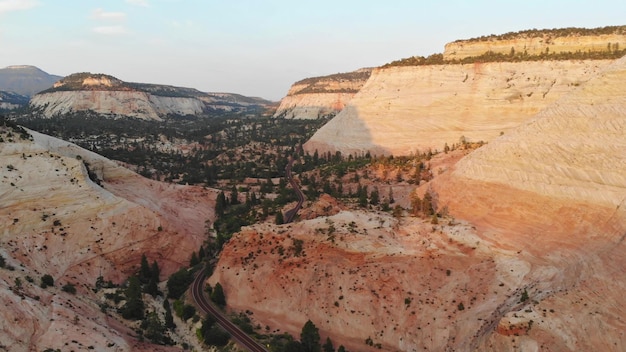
(69, 288)
(46, 280)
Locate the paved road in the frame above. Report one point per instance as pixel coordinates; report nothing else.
(291, 214)
(199, 296)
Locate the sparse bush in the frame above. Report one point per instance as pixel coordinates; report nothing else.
(46, 280)
(69, 288)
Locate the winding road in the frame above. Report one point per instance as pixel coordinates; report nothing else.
(197, 287)
(199, 296)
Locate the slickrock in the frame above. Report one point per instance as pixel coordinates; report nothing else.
(55, 220)
(401, 110)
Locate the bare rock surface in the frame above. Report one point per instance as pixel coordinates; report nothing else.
(317, 97)
(55, 220)
(401, 110)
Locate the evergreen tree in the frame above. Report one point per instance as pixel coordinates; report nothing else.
(177, 283)
(217, 295)
(310, 338)
(220, 204)
(155, 331)
(133, 309)
(169, 318)
(234, 195)
(279, 218)
(374, 197)
(144, 271)
(328, 346)
(341, 349)
(152, 287)
(194, 260)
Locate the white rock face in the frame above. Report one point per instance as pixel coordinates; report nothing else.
(128, 103)
(317, 97)
(535, 45)
(574, 149)
(401, 110)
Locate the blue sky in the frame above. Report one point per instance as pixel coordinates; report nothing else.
(259, 48)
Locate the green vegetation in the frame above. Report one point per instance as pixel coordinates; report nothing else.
(46, 280)
(134, 307)
(217, 295)
(178, 283)
(612, 52)
(551, 33)
(69, 288)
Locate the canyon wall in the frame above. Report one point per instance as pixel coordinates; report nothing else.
(317, 97)
(535, 45)
(125, 103)
(402, 110)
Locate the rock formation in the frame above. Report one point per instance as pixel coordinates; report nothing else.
(11, 101)
(532, 258)
(401, 110)
(317, 97)
(55, 220)
(536, 42)
(104, 94)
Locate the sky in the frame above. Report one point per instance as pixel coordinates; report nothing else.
(260, 47)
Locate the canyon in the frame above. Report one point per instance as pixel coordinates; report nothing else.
(525, 250)
(526, 255)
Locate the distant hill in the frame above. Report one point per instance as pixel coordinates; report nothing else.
(107, 95)
(25, 80)
(10, 100)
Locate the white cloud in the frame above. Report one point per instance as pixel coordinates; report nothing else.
(143, 3)
(100, 14)
(15, 5)
(110, 30)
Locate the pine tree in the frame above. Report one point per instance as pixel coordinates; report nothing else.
(133, 309)
(144, 272)
(310, 338)
(217, 295)
(234, 195)
(169, 318)
(194, 260)
(152, 287)
(220, 204)
(328, 346)
(279, 218)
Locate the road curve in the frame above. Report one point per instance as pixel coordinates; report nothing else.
(199, 296)
(291, 214)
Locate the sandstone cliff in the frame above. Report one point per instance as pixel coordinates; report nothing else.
(534, 42)
(108, 95)
(401, 110)
(55, 220)
(312, 98)
(554, 191)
